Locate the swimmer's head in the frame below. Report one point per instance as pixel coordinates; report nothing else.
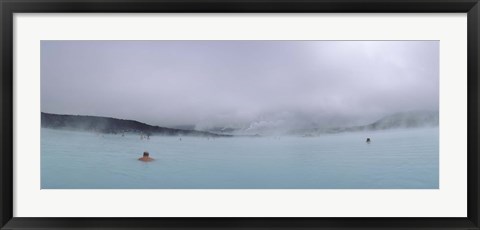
(146, 154)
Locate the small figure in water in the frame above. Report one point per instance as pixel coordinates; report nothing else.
(146, 157)
(180, 139)
(368, 140)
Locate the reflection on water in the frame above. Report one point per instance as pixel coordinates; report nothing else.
(394, 159)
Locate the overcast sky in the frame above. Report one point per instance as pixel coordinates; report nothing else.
(218, 83)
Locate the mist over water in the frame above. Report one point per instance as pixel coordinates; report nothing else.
(395, 159)
(256, 86)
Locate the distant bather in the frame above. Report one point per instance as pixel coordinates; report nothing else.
(146, 157)
(368, 140)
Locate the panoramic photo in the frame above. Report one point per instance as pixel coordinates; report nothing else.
(239, 114)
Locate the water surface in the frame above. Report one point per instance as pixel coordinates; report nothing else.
(395, 159)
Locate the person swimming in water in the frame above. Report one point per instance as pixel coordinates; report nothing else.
(368, 140)
(146, 157)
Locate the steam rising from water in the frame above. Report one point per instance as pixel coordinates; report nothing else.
(255, 86)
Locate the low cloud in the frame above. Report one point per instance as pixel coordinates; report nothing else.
(240, 83)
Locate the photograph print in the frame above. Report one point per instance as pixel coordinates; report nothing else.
(239, 114)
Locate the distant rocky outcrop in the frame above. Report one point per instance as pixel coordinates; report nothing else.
(415, 119)
(407, 120)
(221, 130)
(112, 125)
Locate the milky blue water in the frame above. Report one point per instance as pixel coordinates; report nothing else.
(395, 159)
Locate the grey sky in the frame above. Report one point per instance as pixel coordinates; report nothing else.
(217, 83)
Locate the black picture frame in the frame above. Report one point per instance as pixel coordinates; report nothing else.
(9, 7)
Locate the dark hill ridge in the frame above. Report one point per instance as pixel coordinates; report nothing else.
(112, 125)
